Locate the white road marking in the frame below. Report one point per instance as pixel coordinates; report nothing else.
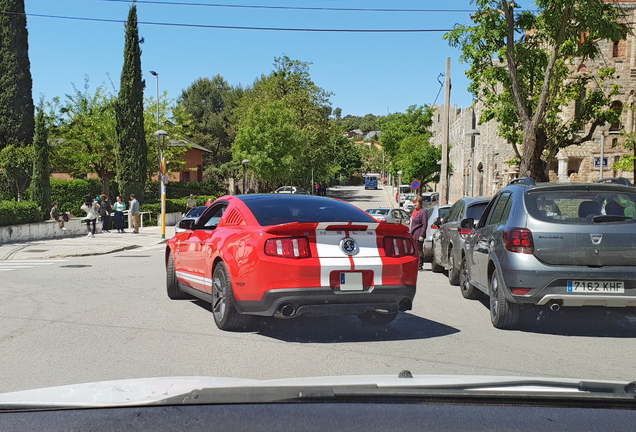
(19, 264)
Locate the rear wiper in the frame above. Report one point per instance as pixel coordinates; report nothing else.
(610, 218)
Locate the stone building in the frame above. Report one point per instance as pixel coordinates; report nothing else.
(494, 157)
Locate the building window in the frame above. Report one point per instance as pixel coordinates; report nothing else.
(614, 142)
(615, 49)
(618, 107)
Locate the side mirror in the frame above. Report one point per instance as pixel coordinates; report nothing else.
(437, 222)
(468, 223)
(187, 224)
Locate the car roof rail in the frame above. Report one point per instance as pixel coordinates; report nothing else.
(615, 180)
(529, 181)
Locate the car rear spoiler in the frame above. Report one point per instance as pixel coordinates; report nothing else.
(293, 228)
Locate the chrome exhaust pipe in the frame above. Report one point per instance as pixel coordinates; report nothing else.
(285, 310)
(555, 306)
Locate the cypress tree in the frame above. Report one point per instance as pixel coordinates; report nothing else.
(132, 150)
(41, 182)
(16, 86)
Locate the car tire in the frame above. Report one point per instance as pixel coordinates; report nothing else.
(377, 317)
(468, 290)
(226, 316)
(172, 284)
(503, 314)
(435, 268)
(453, 272)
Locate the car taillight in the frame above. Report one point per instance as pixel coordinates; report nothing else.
(464, 232)
(398, 246)
(380, 218)
(520, 291)
(518, 240)
(293, 247)
(434, 226)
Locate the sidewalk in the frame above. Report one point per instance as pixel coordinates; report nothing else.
(103, 243)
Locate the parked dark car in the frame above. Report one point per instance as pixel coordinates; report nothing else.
(448, 240)
(555, 245)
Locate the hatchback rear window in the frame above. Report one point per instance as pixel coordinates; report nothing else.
(275, 210)
(581, 206)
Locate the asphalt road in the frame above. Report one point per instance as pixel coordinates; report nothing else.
(108, 317)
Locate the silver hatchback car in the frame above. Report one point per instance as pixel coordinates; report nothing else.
(554, 245)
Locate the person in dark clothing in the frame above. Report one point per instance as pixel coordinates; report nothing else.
(419, 224)
(105, 211)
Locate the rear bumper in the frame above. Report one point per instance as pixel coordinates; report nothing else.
(589, 300)
(326, 301)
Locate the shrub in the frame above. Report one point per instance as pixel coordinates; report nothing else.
(183, 190)
(16, 213)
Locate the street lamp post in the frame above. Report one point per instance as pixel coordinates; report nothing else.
(161, 135)
(472, 134)
(603, 128)
(155, 74)
(399, 184)
(312, 177)
(245, 162)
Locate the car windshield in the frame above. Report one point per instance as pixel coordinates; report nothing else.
(281, 210)
(378, 211)
(582, 206)
(290, 118)
(196, 212)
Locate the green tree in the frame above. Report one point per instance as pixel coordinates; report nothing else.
(41, 182)
(518, 68)
(17, 163)
(286, 103)
(372, 158)
(177, 123)
(85, 134)
(210, 103)
(405, 139)
(17, 122)
(132, 150)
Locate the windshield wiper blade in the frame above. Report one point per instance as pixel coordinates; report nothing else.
(535, 389)
(610, 218)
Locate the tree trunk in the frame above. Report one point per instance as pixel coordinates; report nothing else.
(531, 163)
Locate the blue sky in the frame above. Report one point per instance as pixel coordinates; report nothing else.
(367, 72)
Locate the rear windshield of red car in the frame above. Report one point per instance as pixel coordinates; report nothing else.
(275, 210)
(582, 206)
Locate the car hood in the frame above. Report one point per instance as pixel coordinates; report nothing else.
(186, 390)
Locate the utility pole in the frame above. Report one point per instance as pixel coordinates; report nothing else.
(445, 130)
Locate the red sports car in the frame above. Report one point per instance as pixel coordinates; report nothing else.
(289, 255)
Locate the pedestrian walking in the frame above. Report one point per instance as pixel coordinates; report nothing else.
(318, 188)
(119, 208)
(419, 224)
(190, 203)
(134, 213)
(60, 217)
(91, 208)
(105, 211)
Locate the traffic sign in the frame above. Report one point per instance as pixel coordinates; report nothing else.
(415, 184)
(597, 162)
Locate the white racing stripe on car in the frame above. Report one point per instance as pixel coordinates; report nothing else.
(206, 282)
(369, 256)
(329, 253)
(333, 258)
